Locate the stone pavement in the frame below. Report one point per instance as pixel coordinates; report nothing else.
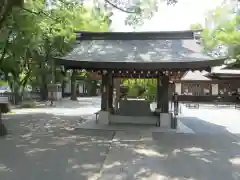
(125, 155)
(40, 147)
(172, 157)
(61, 156)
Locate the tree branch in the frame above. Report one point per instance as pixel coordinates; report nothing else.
(123, 10)
(39, 13)
(5, 47)
(5, 12)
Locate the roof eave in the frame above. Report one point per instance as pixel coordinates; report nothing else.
(192, 65)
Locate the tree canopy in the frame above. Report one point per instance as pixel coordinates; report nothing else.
(137, 10)
(32, 35)
(222, 33)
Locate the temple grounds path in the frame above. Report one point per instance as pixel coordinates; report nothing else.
(43, 145)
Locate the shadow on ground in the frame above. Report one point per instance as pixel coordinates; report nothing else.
(200, 126)
(34, 123)
(200, 156)
(174, 156)
(36, 152)
(64, 155)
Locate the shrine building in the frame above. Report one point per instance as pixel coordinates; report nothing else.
(159, 55)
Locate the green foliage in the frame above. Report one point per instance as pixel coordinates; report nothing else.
(224, 33)
(196, 27)
(33, 34)
(5, 108)
(142, 10)
(144, 88)
(28, 105)
(2, 83)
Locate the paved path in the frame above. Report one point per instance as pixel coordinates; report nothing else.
(54, 156)
(172, 157)
(40, 147)
(212, 120)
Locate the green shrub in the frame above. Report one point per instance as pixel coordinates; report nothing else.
(28, 105)
(5, 108)
(3, 83)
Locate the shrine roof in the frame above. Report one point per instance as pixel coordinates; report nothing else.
(195, 76)
(140, 50)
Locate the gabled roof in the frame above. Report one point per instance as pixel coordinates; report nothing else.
(145, 50)
(221, 70)
(195, 76)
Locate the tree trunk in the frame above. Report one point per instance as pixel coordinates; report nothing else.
(73, 86)
(63, 88)
(3, 129)
(18, 98)
(43, 81)
(64, 75)
(44, 91)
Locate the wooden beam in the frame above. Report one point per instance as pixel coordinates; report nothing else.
(165, 99)
(104, 95)
(110, 92)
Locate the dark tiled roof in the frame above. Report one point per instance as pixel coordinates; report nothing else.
(146, 51)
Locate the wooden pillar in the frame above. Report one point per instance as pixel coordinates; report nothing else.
(104, 93)
(110, 92)
(116, 83)
(165, 91)
(159, 92)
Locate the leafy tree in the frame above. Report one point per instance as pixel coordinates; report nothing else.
(222, 33)
(30, 41)
(6, 7)
(137, 10)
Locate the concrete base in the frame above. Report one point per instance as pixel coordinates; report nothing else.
(147, 120)
(165, 120)
(103, 117)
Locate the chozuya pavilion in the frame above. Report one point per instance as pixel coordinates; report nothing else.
(159, 55)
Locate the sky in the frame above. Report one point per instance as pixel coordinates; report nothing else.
(170, 18)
